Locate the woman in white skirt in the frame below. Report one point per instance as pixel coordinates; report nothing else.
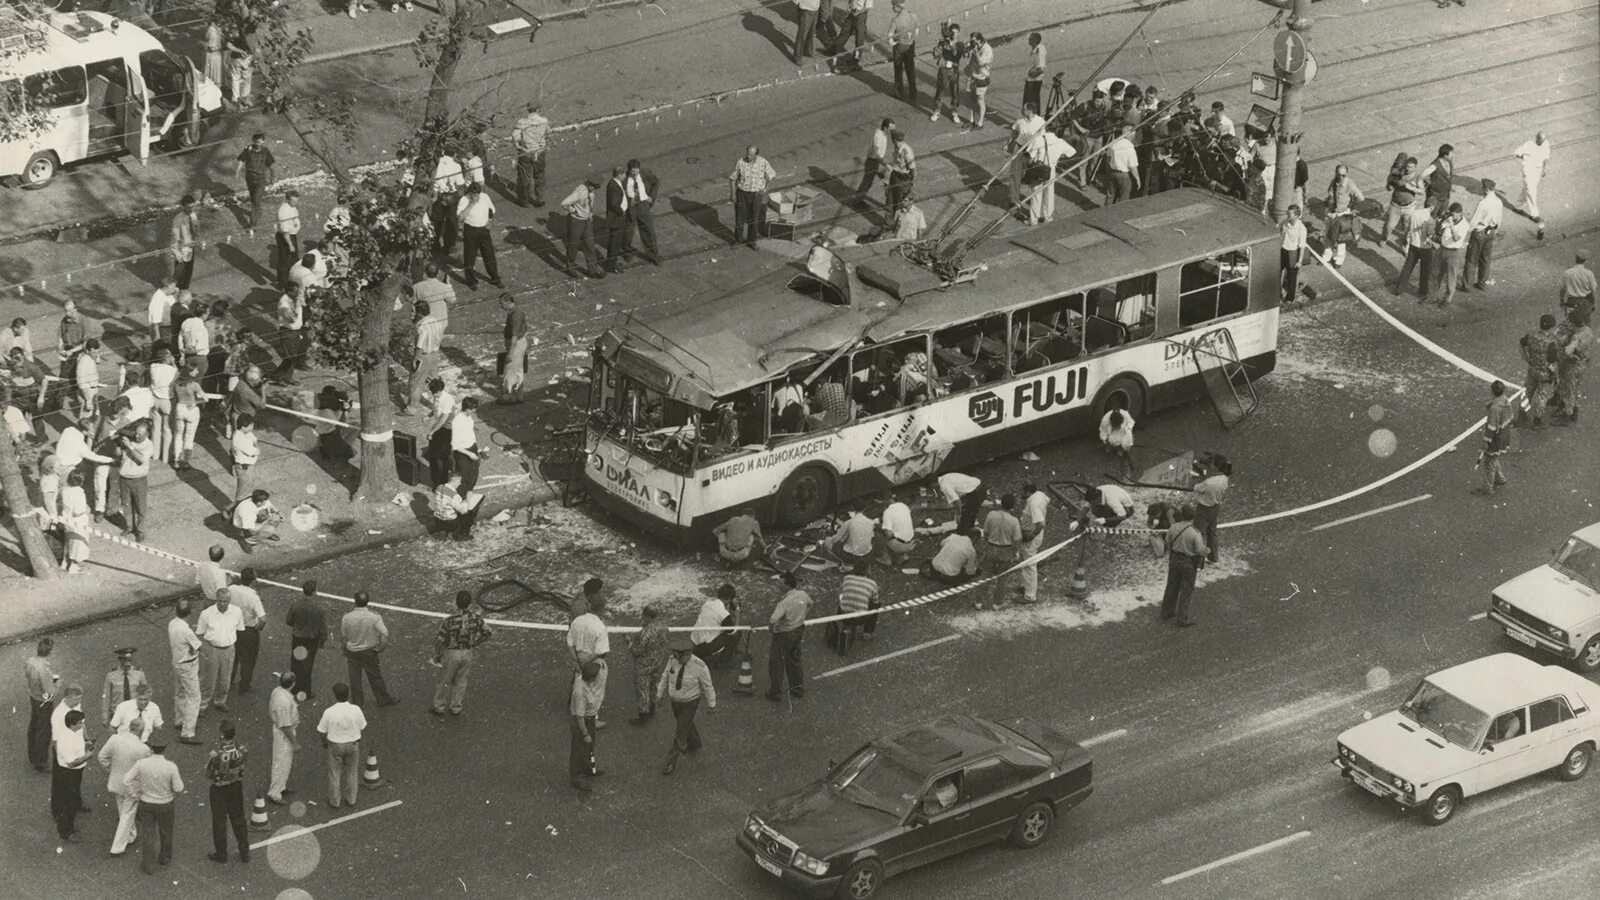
(76, 518)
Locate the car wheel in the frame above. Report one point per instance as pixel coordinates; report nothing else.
(40, 169)
(1441, 806)
(1033, 826)
(1589, 658)
(806, 496)
(861, 880)
(1576, 765)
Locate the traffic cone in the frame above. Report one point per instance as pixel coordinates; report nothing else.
(370, 777)
(747, 675)
(1079, 587)
(258, 813)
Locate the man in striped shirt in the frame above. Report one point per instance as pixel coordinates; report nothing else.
(749, 179)
(453, 650)
(858, 593)
(684, 681)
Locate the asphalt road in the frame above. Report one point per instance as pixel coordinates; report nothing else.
(1212, 741)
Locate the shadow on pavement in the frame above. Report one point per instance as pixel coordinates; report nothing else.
(760, 25)
(704, 216)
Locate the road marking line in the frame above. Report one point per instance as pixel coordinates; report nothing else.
(1102, 738)
(1482, 615)
(1373, 512)
(1244, 854)
(878, 659)
(298, 831)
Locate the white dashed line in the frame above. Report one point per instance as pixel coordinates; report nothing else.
(1482, 615)
(878, 659)
(1372, 512)
(293, 831)
(1244, 854)
(1102, 738)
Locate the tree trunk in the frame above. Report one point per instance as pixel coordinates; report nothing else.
(34, 547)
(379, 481)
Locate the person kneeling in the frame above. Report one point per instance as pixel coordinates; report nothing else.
(256, 518)
(456, 514)
(957, 560)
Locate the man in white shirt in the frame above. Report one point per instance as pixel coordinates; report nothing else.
(159, 314)
(117, 756)
(909, 222)
(579, 207)
(1035, 507)
(288, 236)
(283, 711)
(1485, 225)
(1027, 135)
(253, 620)
(256, 518)
(341, 727)
(899, 534)
(138, 713)
(967, 492)
(72, 449)
(86, 372)
(156, 783)
(956, 561)
(1122, 164)
(185, 647)
(465, 451)
(1448, 246)
(18, 335)
(1292, 252)
(531, 137)
(854, 538)
(980, 59)
(194, 339)
(475, 211)
(1218, 122)
(1535, 156)
(640, 185)
(310, 271)
(448, 180)
(1110, 504)
(587, 640)
(711, 643)
(291, 333)
(73, 751)
(218, 631)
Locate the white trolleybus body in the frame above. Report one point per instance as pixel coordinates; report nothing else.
(735, 403)
(107, 87)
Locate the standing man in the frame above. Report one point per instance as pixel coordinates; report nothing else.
(137, 713)
(1496, 439)
(1002, 535)
(855, 23)
(133, 478)
(684, 681)
(465, 452)
(185, 647)
(41, 681)
(515, 335)
(158, 314)
(948, 55)
(903, 51)
(117, 756)
(156, 783)
(1292, 252)
(1186, 552)
(459, 637)
(120, 683)
(788, 626)
(225, 769)
(1033, 81)
(1343, 224)
(1572, 357)
(288, 236)
(966, 491)
(902, 170)
(805, 29)
(283, 711)
(210, 575)
(1539, 351)
(1480, 243)
(255, 163)
(365, 637)
(1420, 229)
(1208, 494)
(641, 184)
(531, 136)
(1122, 166)
(579, 207)
(254, 621)
(1437, 179)
(433, 298)
(1035, 507)
(748, 183)
(587, 640)
(649, 651)
(291, 330)
(980, 59)
(341, 727)
(218, 631)
(873, 167)
(73, 750)
(1448, 246)
(475, 211)
(448, 180)
(1578, 285)
(588, 693)
(619, 237)
(1535, 156)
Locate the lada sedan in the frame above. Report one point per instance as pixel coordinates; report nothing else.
(1472, 728)
(1556, 607)
(913, 797)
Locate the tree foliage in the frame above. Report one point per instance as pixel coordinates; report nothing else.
(263, 26)
(22, 35)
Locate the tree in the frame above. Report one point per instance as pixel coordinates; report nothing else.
(41, 562)
(22, 34)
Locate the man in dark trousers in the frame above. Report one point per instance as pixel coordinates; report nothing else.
(73, 750)
(225, 769)
(308, 631)
(619, 234)
(41, 700)
(365, 638)
(156, 782)
(685, 681)
(475, 211)
(255, 164)
(588, 691)
(1186, 553)
(1214, 470)
(640, 186)
(788, 625)
(1437, 180)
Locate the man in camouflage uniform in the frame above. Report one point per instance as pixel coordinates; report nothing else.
(1496, 439)
(649, 651)
(1538, 348)
(1576, 340)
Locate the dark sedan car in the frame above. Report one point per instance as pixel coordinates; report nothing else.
(913, 797)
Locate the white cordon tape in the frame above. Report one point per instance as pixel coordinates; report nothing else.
(380, 437)
(946, 593)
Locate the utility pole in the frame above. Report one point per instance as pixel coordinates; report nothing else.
(1295, 67)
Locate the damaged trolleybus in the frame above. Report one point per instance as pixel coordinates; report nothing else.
(856, 370)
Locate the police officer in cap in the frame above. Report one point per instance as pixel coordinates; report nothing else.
(120, 683)
(685, 681)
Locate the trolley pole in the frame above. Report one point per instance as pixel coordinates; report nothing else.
(1294, 66)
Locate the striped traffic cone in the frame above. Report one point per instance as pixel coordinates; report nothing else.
(1079, 586)
(370, 777)
(258, 813)
(747, 675)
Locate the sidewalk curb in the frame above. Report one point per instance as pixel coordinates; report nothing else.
(542, 494)
(583, 13)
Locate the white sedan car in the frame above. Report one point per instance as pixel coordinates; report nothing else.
(1556, 607)
(1474, 727)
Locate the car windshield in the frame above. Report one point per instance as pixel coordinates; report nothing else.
(1579, 561)
(874, 780)
(1446, 715)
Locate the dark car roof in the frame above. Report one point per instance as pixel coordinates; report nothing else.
(944, 742)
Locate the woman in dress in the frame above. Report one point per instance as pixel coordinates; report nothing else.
(76, 518)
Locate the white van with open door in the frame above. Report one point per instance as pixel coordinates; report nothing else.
(104, 86)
